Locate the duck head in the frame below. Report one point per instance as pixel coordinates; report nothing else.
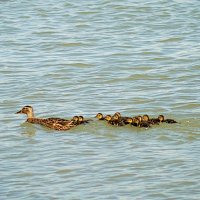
(117, 114)
(161, 118)
(129, 120)
(145, 118)
(28, 110)
(99, 116)
(136, 121)
(139, 118)
(80, 119)
(108, 118)
(75, 119)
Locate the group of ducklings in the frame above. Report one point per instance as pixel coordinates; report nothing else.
(138, 121)
(116, 120)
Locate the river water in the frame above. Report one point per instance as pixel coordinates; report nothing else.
(69, 58)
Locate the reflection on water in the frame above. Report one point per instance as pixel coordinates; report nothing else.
(28, 129)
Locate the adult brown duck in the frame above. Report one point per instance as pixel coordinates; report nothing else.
(53, 123)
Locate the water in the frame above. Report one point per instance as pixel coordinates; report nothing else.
(84, 57)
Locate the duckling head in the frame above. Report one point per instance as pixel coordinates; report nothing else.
(75, 119)
(129, 120)
(139, 118)
(137, 121)
(145, 118)
(161, 118)
(117, 114)
(28, 110)
(99, 116)
(80, 118)
(108, 118)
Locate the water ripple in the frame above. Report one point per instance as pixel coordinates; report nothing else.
(81, 58)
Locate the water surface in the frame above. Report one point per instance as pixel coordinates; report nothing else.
(84, 57)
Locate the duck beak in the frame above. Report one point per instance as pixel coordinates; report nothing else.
(19, 112)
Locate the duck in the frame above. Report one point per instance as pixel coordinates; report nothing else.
(52, 123)
(117, 120)
(128, 120)
(152, 121)
(169, 121)
(120, 116)
(109, 119)
(138, 117)
(137, 121)
(124, 120)
(100, 116)
(75, 120)
(82, 120)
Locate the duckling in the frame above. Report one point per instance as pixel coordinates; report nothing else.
(118, 121)
(128, 120)
(75, 120)
(135, 121)
(139, 123)
(109, 119)
(169, 121)
(118, 113)
(152, 121)
(123, 120)
(100, 116)
(53, 123)
(82, 120)
(145, 118)
(138, 117)
(120, 116)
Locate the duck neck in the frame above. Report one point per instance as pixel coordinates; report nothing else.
(30, 115)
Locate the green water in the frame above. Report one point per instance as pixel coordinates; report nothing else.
(84, 57)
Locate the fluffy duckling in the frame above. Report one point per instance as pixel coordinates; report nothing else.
(117, 120)
(82, 120)
(132, 121)
(139, 123)
(146, 118)
(138, 117)
(75, 120)
(169, 121)
(100, 116)
(109, 119)
(124, 120)
(135, 121)
(128, 120)
(120, 116)
(53, 123)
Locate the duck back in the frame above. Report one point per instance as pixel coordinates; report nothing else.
(53, 123)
